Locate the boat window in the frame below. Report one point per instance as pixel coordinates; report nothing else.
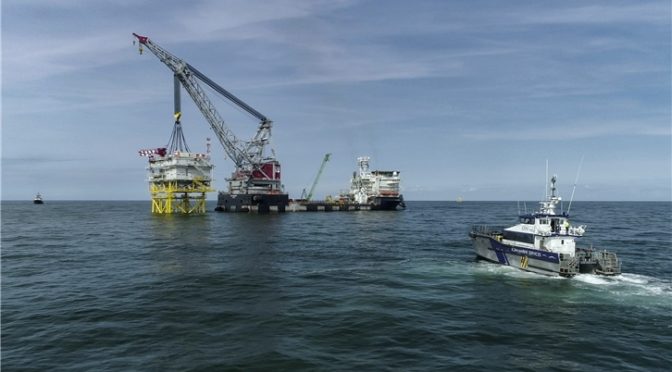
(527, 220)
(518, 236)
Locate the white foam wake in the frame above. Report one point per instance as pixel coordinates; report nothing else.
(634, 289)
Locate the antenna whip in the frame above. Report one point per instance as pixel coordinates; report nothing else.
(576, 180)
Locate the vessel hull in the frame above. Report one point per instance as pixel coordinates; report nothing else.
(255, 203)
(533, 260)
(386, 203)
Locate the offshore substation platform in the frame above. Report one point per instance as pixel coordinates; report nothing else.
(178, 178)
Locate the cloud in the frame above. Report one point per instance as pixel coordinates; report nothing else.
(29, 58)
(647, 12)
(577, 130)
(81, 97)
(32, 161)
(355, 76)
(238, 19)
(322, 53)
(67, 44)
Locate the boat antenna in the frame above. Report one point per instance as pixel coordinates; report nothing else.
(546, 184)
(576, 180)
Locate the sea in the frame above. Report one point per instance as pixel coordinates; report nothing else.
(107, 286)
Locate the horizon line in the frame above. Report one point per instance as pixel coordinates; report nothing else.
(413, 201)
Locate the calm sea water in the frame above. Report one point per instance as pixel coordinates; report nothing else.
(108, 286)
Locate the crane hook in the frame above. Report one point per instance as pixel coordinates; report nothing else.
(139, 46)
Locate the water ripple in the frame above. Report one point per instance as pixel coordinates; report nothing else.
(108, 286)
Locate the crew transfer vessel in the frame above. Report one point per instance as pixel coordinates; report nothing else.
(543, 242)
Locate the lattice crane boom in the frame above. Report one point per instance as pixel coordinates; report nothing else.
(246, 155)
(317, 177)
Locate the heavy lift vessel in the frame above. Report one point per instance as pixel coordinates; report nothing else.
(255, 183)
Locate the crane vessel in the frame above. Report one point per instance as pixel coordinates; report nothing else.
(255, 184)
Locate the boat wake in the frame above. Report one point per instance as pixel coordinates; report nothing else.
(510, 271)
(640, 284)
(628, 289)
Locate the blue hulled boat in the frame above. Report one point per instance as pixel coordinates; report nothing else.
(543, 242)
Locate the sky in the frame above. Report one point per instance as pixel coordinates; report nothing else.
(467, 99)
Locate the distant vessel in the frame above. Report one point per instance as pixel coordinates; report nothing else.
(377, 189)
(38, 199)
(543, 242)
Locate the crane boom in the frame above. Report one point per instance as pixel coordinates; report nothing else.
(227, 94)
(247, 155)
(317, 177)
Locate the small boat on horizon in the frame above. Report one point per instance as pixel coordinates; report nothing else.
(38, 199)
(543, 242)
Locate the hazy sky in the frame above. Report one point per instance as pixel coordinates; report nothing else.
(465, 98)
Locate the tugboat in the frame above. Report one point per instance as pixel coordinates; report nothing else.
(377, 189)
(543, 242)
(38, 199)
